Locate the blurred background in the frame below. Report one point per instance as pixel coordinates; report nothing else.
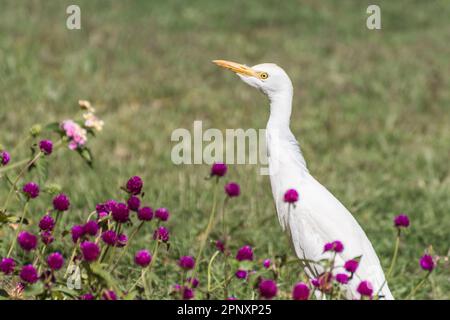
(371, 108)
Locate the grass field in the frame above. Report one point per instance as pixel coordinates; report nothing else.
(371, 110)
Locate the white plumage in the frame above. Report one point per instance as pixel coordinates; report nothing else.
(318, 217)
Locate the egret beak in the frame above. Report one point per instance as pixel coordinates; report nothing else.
(236, 67)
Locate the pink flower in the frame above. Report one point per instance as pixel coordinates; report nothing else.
(300, 292)
(291, 196)
(342, 278)
(426, 262)
(76, 134)
(365, 288)
(351, 265)
(335, 246)
(266, 263)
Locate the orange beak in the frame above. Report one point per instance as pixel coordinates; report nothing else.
(236, 67)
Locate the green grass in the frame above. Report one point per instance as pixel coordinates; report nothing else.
(372, 109)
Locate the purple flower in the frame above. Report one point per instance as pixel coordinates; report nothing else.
(426, 262)
(29, 274)
(109, 237)
(134, 185)
(401, 221)
(7, 265)
(342, 278)
(47, 223)
(27, 241)
(241, 274)
(245, 253)
(231, 298)
(109, 295)
(91, 227)
(120, 212)
(266, 263)
(232, 189)
(77, 232)
(143, 258)
(61, 202)
(335, 246)
(47, 237)
(46, 146)
(220, 246)
(122, 240)
(365, 288)
(315, 283)
(218, 169)
(162, 234)
(145, 214)
(4, 158)
(162, 214)
(300, 292)
(134, 203)
(188, 293)
(31, 190)
(186, 262)
(87, 296)
(291, 196)
(105, 207)
(268, 288)
(55, 261)
(193, 281)
(351, 265)
(90, 251)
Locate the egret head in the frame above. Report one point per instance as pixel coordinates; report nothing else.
(267, 77)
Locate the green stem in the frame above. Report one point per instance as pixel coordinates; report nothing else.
(209, 269)
(133, 234)
(391, 267)
(413, 291)
(206, 234)
(13, 242)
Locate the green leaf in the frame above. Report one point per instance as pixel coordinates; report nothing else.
(54, 127)
(41, 167)
(86, 154)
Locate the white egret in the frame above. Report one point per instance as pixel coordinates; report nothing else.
(318, 217)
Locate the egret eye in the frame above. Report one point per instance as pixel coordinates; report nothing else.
(263, 75)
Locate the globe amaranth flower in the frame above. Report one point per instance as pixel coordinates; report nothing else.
(27, 241)
(193, 281)
(300, 291)
(145, 214)
(109, 295)
(55, 261)
(47, 237)
(4, 158)
(220, 246)
(91, 228)
(186, 262)
(105, 207)
(162, 214)
(77, 232)
(188, 293)
(351, 265)
(122, 240)
(46, 223)
(120, 212)
(46, 147)
(315, 282)
(218, 169)
(427, 263)
(335, 246)
(401, 221)
(267, 288)
(134, 185)
(76, 134)
(231, 298)
(245, 253)
(342, 278)
(291, 196)
(365, 288)
(241, 274)
(109, 237)
(232, 189)
(87, 296)
(162, 233)
(29, 274)
(266, 263)
(143, 258)
(61, 202)
(7, 266)
(90, 251)
(133, 203)
(31, 190)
